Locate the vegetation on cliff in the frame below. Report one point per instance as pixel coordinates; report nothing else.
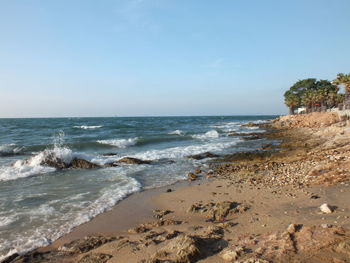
(312, 93)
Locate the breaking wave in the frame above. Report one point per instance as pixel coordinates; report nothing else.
(10, 149)
(176, 132)
(208, 135)
(120, 143)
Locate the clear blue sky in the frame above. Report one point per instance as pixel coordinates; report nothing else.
(165, 57)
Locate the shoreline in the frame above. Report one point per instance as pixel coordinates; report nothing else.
(238, 201)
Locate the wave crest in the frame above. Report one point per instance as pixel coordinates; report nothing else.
(176, 132)
(86, 127)
(120, 143)
(208, 135)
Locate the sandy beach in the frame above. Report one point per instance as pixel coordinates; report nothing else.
(261, 206)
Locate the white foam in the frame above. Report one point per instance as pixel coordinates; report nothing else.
(10, 148)
(182, 151)
(120, 143)
(52, 229)
(32, 166)
(176, 132)
(86, 127)
(227, 126)
(4, 221)
(208, 135)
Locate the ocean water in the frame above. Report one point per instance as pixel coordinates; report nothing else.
(38, 204)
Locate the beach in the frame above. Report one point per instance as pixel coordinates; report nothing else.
(256, 206)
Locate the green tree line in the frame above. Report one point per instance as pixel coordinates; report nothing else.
(311, 93)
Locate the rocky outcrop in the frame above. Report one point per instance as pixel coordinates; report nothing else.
(203, 156)
(95, 258)
(312, 244)
(311, 120)
(59, 164)
(131, 160)
(218, 211)
(82, 164)
(86, 244)
(187, 248)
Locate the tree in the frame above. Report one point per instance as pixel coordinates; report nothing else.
(343, 79)
(301, 86)
(324, 88)
(291, 100)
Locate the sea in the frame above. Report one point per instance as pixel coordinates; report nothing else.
(39, 204)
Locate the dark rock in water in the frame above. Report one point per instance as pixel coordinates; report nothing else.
(203, 156)
(130, 160)
(39, 257)
(59, 164)
(109, 154)
(113, 164)
(82, 164)
(191, 176)
(86, 244)
(11, 258)
(197, 171)
(95, 258)
(163, 161)
(250, 124)
(52, 161)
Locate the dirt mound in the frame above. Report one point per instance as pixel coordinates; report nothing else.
(311, 120)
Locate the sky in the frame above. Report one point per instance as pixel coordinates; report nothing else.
(165, 57)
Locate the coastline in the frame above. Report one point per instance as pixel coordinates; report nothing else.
(210, 218)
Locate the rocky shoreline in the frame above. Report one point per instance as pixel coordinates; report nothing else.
(256, 207)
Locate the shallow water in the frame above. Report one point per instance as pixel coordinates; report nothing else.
(39, 204)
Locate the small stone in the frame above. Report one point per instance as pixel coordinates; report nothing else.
(326, 209)
(292, 228)
(191, 176)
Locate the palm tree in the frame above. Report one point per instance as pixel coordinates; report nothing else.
(332, 99)
(291, 100)
(306, 100)
(343, 79)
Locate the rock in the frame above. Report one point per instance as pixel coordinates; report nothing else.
(86, 244)
(113, 164)
(52, 161)
(131, 160)
(11, 258)
(39, 257)
(203, 156)
(169, 190)
(182, 249)
(197, 171)
(139, 229)
(292, 228)
(95, 258)
(326, 209)
(82, 164)
(191, 176)
(159, 214)
(109, 154)
(229, 254)
(219, 211)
